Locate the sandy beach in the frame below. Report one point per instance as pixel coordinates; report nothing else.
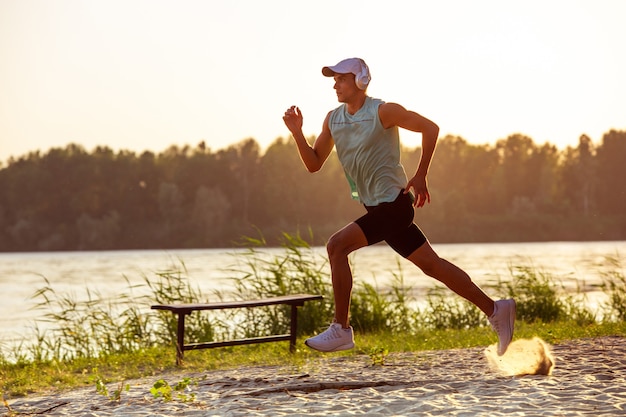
(588, 379)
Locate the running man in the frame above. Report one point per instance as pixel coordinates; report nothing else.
(364, 131)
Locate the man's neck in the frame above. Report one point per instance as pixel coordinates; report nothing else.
(356, 104)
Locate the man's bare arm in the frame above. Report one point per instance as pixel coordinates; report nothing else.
(392, 114)
(314, 156)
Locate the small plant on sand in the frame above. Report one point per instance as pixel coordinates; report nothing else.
(6, 404)
(162, 389)
(102, 389)
(378, 355)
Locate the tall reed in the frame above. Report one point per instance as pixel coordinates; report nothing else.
(615, 285)
(298, 269)
(535, 294)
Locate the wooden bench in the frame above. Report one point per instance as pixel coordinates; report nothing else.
(183, 310)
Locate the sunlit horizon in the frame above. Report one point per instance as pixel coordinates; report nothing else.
(148, 75)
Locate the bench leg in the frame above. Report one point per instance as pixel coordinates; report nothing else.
(180, 339)
(294, 328)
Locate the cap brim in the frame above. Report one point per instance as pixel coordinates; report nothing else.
(328, 72)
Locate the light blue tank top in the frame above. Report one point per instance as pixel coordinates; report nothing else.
(369, 153)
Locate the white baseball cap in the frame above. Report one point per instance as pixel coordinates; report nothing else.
(355, 66)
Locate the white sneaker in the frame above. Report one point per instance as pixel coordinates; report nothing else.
(333, 339)
(503, 322)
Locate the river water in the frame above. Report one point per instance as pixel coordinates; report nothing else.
(577, 266)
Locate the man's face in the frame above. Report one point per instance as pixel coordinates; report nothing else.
(345, 87)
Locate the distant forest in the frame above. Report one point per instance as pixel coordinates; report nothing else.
(194, 197)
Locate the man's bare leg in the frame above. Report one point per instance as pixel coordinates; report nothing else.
(339, 246)
(501, 313)
(339, 335)
(452, 276)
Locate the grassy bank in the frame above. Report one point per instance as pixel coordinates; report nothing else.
(159, 362)
(94, 341)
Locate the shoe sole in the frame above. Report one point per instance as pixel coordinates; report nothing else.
(347, 346)
(511, 325)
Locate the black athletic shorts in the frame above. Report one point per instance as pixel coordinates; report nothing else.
(393, 223)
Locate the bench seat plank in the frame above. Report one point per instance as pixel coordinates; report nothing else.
(297, 299)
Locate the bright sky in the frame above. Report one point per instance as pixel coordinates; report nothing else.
(144, 75)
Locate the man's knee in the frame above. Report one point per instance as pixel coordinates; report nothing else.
(442, 270)
(345, 241)
(335, 247)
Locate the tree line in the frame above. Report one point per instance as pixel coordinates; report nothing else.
(194, 197)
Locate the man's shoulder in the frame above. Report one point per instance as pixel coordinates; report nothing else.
(337, 110)
(375, 104)
(376, 101)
